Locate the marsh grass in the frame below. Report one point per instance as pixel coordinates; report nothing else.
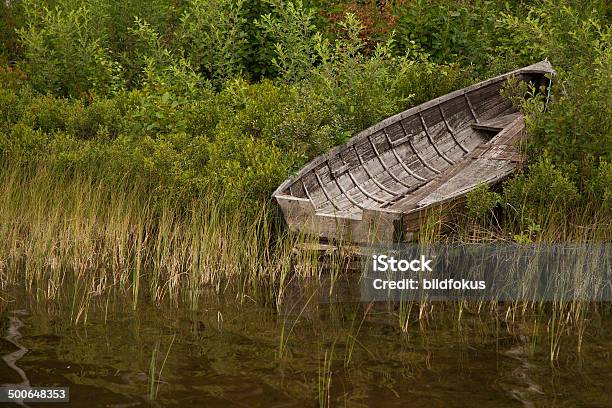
(325, 377)
(64, 231)
(58, 228)
(155, 376)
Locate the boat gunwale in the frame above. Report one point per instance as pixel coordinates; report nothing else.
(542, 67)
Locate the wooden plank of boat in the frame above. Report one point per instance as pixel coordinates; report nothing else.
(496, 124)
(375, 187)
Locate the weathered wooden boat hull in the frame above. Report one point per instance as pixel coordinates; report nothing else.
(377, 186)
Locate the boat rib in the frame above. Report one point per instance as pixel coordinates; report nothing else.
(432, 142)
(450, 130)
(384, 165)
(401, 162)
(372, 177)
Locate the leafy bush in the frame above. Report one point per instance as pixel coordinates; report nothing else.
(577, 128)
(481, 202)
(575, 131)
(23, 143)
(450, 31)
(11, 108)
(100, 118)
(600, 186)
(291, 29)
(541, 196)
(11, 17)
(376, 17)
(552, 29)
(244, 167)
(214, 36)
(63, 52)
(48, 113)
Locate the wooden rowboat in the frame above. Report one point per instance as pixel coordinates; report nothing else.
(377, 186)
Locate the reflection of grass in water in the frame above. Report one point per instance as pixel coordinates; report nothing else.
(244, 348)
(285, 334)
(542, 323)
(352, 336)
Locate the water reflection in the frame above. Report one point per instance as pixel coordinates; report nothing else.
(312, 353)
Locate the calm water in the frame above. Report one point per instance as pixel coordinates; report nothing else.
(229, 354)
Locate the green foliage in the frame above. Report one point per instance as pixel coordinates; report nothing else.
(228, 97)
(565, 31)
(101, 118)
(214, 36)
(449, 31)
(600, 186)
(63, 52)
(23, 142)
(244, 167)
(577, 127)
(290, 28)
(11, 108)
(481, 202)
(114, 24)
(575, 131)
(11, 17)
(540, 196)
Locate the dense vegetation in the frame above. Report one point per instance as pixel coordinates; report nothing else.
(223, 99)
(140, 141)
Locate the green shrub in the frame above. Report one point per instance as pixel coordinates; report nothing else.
(49, 113)
(99, 118)
(600, 187)
(450, 31)
(481, 202)
(291, 29)
(542, 195)
(63, 52)
(10, 111)
(553, 29)
(24, 143)
(11, 17)
(244, 167)
(577, 127)
(213, 34)
(114, 21)
(264, 109)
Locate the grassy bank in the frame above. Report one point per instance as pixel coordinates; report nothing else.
(79, 229)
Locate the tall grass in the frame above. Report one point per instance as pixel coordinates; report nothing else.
(586, 222)
(63, 231)
(56, 228)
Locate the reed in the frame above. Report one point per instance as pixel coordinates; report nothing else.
(325, 377)
(155, 376)
(57, 228)
(353, 335)
(64, 231)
